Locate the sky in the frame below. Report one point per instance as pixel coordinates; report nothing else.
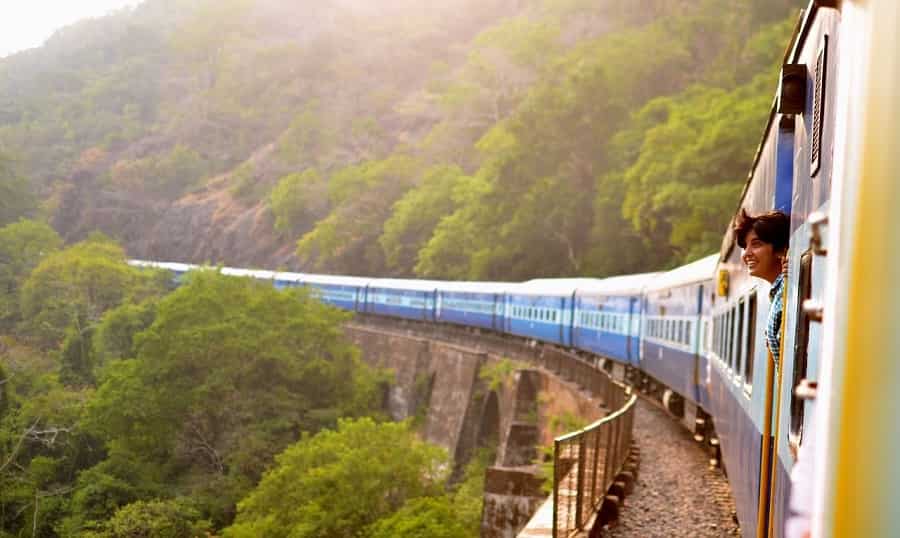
(28, 23)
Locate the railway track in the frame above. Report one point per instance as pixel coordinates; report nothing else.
(677, 492)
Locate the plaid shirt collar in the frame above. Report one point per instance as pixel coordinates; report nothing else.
(773, 329)
(776, 287)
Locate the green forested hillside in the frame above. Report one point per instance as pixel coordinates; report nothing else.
(497, 139)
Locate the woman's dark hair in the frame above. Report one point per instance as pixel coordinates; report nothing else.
(773, 227)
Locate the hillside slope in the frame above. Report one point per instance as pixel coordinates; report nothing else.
(474, 139)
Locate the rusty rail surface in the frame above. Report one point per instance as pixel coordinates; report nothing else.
(586, 462)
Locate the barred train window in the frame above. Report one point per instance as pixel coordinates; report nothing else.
(801, 346)
(738, 359)
(751, 338)
(729, 339)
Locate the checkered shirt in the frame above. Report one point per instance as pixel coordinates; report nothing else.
(773, 327)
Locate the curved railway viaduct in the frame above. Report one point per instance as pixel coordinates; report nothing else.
(470, 389)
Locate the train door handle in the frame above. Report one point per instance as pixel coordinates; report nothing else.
(817, 220)
(813, 310)
(807, 389)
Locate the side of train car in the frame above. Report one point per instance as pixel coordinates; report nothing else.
(792, 173)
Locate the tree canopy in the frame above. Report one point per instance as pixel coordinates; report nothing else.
(338, 482)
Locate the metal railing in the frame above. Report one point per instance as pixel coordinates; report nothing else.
(586, 462)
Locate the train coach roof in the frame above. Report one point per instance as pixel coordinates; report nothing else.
(618, 285)
(556, 287)
(286, 276)
(170, 266)
(405, 284)
(252, 273)
(698, 271)
(332, 280)
(474, 287)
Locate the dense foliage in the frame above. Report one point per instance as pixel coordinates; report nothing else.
(130, 410)
(496, 139)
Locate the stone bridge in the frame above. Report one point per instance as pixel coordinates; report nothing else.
(471, 389)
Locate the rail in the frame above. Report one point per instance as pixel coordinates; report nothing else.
(586, 462)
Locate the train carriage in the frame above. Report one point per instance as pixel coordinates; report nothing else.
(476, 304)
(675, 326)
(347, 292)
(411, 299)
(607, 317)
(540, 309)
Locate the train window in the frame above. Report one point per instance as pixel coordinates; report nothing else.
(717, 337)
(729, 338)
(751, 339)
(739, 342)
(801, 342)
(818, 109)
(704, 342)
(722, 322)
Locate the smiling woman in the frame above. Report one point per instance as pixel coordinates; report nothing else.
(764, 239)
(28, 24)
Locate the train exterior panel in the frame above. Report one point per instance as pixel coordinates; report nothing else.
(475, 304)
(411, 299)
(674, 326)
(541, 310)
(813, 161)
(346, 292)
(607, 316)
(738, 358)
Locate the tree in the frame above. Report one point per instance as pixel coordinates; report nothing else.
(362, 197)
(298, 201)
(154, 519)
(415, 216)
(434, 517)
(115, 334)
(73, 288)
(229, 373)
(23, 245)
(16, 200)
(337, 482)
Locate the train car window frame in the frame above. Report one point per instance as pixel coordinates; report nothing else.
(720, 352)
(715, 348)
(729, 330)
(801, 344)
(820, 85)
(752, 303)
(739, 339)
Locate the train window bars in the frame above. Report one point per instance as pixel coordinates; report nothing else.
(751, 341)
(818, 109)
(740, 347)
(801, 342)
(730, 338)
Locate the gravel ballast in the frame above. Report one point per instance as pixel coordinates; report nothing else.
(677, 493)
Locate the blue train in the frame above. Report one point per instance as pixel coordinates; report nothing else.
(694, 336)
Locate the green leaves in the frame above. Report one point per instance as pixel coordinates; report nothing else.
(23, 245)
(16, 199)
(229, 373)
(71, 289)
(336, 483)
